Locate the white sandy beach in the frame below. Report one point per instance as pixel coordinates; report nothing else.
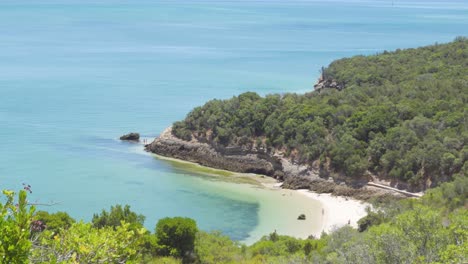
(279, 208)
(338, 211)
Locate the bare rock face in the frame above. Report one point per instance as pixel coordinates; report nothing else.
(131, 137)
(293, 176)
(328, 84)
(237, 160)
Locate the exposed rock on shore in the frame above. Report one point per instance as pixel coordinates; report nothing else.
(294, 176)
(131, 137)
(328, 84)
(232, 159)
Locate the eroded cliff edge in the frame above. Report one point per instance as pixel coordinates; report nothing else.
(227, 158)
(237, 159)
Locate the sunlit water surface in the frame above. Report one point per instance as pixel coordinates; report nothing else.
(76, 74)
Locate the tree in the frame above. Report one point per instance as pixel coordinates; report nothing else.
(371, 219)
(389, 245)
(15, 221)
(55, 221)
(347, 155)
(215, 247)
(176, 236)
(422, 228)
(83, 243)
(115, 217)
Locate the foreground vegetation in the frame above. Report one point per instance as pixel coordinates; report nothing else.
(433, 229)
(402, 116)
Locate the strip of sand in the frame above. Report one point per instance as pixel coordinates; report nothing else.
(279, 208)
(338, 211)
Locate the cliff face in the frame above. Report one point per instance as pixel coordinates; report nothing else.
(232, 159)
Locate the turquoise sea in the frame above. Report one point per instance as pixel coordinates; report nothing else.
(76, 74)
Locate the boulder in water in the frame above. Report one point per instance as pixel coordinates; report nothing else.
(131, 137)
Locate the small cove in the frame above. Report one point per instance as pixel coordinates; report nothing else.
(76, 75)
(278, 209)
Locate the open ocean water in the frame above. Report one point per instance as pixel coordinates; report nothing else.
(77, 74)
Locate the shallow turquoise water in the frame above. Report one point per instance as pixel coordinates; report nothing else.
(74, 75)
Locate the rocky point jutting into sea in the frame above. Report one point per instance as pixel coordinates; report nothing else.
(374, 125)
(259, 161)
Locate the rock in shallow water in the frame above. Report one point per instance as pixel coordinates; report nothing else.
(131, 137)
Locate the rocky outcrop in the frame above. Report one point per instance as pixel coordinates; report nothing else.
(328, 84)
(232, 159)
(300, 176)
(293, 176)
(131, 137)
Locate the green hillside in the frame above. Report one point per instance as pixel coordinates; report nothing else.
(401, 116)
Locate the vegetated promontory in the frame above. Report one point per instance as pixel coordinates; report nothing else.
(397, 116)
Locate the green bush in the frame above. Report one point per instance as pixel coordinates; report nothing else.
(15, 221)
(214, 247)
(116, 215)
(176, 236)
(54, 221)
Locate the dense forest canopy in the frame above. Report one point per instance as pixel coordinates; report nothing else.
(402, 116)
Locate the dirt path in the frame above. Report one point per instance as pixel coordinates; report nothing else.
(409, 194)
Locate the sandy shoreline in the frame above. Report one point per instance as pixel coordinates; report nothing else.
(338, 211)
(279, 208)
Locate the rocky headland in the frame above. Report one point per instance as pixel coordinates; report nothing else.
(238, 159)
(227, 158)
